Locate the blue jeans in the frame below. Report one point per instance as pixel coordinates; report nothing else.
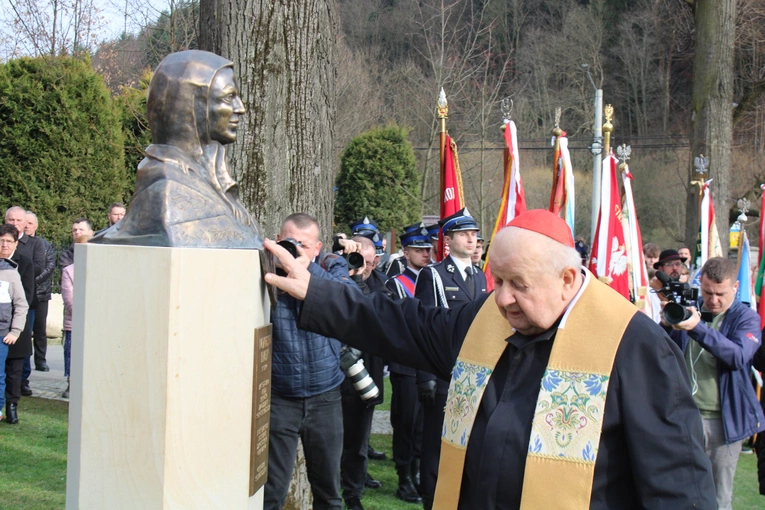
(318, 422)
(27, 370)
(3, 356)
(67, 352)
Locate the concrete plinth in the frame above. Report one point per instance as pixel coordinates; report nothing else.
(163, 348)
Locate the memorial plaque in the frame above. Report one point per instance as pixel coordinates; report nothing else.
(261, 409)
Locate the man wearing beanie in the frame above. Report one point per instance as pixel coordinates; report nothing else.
(561, 394)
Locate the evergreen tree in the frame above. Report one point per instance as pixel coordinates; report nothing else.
(378, 178)
(61, 143)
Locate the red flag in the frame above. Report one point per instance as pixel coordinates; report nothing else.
(513, 199)
(609, 255)
(452, 196)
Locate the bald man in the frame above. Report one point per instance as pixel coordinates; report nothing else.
(560, 391)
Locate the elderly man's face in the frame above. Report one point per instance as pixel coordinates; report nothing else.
(17, 218)
(225, 107)
(31, 228)
(529, 295)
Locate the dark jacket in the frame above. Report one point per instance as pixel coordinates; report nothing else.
(400, 291)
(734, 346)
(651, 452)
(758, 362)
(454, 289)
(34, 250)
(306, 364)
(43, 280)
(23, 346)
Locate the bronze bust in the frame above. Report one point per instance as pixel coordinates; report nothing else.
(184, 193)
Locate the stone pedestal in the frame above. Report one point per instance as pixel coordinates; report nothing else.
(163, 350)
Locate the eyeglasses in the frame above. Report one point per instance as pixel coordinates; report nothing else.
(676, 263)
(7, 241)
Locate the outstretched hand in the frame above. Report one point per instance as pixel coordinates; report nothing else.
(297, 279)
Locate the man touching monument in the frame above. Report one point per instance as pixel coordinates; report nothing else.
(561, 394)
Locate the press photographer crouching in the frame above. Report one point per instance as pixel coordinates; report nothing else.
(719, 339)
(362, 389)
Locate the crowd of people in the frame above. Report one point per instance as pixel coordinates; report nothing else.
(27, 264)
(485, 425)
(488, 395)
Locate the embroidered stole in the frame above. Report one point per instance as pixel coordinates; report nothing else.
(566, 427)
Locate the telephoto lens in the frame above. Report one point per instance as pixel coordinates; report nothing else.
(355, 261)
(353, 366)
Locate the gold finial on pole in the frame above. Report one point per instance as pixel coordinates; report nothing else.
(607, 128)
(442, 112)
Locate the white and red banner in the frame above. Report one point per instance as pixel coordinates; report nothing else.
(634, 242)
(710, 239)
(562, 197)
(513, 200)
(609, 261)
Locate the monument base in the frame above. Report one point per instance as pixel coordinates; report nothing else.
(163, 348)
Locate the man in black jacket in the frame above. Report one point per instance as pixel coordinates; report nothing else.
(43, 282)
(451, 282)
(358, 411)
(34, 251)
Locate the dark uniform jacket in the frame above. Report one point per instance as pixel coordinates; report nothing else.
(455, 291)
(399, 291)
(23, 346)
(651, 453)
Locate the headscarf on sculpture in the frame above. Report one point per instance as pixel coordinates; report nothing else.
(184, 193)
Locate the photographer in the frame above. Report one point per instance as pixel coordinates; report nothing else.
(719, 340)
(359, 400)
(306, 379)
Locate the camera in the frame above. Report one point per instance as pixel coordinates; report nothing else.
(353, 366)
(355, 260)
(680, 296)
(290, 245)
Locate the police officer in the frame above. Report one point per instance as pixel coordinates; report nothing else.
(453, 281)
(368, 228)
(399, 262)
(406, 411)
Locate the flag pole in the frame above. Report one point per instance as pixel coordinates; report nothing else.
(442, 112)
(556, 132)
(607, 128)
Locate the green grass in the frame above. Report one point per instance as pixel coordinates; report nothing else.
(33, 456)
(33, 464)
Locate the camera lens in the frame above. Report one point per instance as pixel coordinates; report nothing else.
(290, 245)
(355, 260)
(675, 313)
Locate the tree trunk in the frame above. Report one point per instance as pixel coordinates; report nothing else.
(712, 116)
(284, 57)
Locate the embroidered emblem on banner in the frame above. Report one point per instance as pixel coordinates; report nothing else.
(465, 391)
(569, 416)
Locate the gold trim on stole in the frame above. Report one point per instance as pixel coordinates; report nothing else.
(581, 361)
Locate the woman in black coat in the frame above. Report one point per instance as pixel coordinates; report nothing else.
(23, 346)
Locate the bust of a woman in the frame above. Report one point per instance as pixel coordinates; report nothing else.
(184, 193)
